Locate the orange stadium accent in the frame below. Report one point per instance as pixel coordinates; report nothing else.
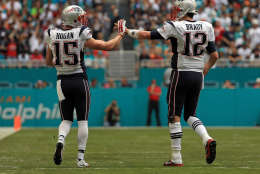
(17, 123)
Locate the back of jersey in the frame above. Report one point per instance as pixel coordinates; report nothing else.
(68, 49)
(190, 40)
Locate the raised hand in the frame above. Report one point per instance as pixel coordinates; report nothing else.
(121, 28)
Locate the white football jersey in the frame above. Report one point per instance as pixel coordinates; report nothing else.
(68, 48)
(189, 40)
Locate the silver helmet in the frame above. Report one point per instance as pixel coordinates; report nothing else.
(182, 7)
(74, 16)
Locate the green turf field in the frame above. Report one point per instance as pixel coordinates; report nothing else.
(135, 151)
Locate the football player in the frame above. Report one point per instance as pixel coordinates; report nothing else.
(65, 52)
(190, 41)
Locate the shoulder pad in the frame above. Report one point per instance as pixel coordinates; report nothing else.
(82, 29)
(170, 22)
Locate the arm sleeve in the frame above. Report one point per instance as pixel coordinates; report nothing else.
(167, 30)
(156, 35)
(47, 37)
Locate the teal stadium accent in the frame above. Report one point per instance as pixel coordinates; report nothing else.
(240, 75)
(47, 74)
(217, 107)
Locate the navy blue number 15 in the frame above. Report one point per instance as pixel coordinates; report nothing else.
(63, 50)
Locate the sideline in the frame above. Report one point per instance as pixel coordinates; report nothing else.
(6, 131)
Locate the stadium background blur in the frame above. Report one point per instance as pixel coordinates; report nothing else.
(27, 86)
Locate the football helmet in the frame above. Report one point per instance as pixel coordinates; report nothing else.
(181, 7)
(74, 16)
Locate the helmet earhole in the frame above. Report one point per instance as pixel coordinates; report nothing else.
(75, 21)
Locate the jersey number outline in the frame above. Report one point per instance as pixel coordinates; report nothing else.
(197, 50)
(66, 51)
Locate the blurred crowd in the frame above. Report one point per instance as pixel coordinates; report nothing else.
(23, 22)
(111, 83)
(236, 24)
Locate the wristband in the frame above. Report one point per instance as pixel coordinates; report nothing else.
(133, 33)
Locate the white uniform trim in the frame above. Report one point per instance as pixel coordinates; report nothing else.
(169, 97)
(59, 91)
(86, 112)
(61, 114)
(177, 80)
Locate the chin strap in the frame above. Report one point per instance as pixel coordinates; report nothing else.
(133, 33)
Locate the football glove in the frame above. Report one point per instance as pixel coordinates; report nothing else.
(121, 27)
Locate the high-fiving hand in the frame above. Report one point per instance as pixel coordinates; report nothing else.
(121, 28)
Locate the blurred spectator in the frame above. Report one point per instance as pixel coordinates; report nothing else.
(144, 55)
(228, 85)
(154, 92)
(125, 84)
(109, 84)
(23, 48)
(219, 31)
(254, 34)
(244, 51)
(100, 59)
(256, 54)
(23, 58)
(14, 5)
(93, 83)
(12, 48)
(40, 84)
(112, 117)
(234, 57)
(155, 53)
(257, 84)
(36, 55)
(229, 36)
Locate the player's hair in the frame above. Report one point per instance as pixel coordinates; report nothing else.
(190, 15)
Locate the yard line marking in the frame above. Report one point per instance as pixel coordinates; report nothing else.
(5, 132)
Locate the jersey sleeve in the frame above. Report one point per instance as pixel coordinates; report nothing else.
(211, 41)
(167, 30)
(211, 34)
(85, 33)
(155, 35)
(47, 37)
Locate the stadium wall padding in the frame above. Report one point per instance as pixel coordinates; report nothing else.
(47, 74)
(217, 107)
(240, 75)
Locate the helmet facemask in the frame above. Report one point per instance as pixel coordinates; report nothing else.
(83, 19)
(174, 12)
